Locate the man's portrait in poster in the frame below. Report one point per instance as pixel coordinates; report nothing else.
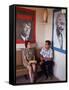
(59, 30)
(25, 25)
(24, 30)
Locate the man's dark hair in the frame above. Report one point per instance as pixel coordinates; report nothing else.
(49, 42)
(26, 43)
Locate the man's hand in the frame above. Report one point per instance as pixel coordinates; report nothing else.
(42, 58)
(41, 62)
(48, 58)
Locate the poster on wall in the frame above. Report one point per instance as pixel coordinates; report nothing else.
(25, 25)
(59, 26)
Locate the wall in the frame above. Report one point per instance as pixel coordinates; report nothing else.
(48, 26)
(60, 65)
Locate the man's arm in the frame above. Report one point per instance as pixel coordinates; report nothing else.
(41, 55)
(48, 58)
(41, 58)
(45, 58)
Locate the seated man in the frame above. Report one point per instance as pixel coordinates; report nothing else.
(46, 57)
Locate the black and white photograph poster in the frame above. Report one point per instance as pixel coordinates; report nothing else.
(59, 37)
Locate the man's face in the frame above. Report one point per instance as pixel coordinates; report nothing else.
(60, 21)
(27, 29)
(47, 46)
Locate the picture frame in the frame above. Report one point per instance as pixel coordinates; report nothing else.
(25, 19)
(15, 53)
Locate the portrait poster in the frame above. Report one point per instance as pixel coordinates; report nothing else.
(59, 28)
(25, 25)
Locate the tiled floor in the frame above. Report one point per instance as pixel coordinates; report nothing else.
(40, 79)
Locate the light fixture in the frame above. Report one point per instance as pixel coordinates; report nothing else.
(45, 16)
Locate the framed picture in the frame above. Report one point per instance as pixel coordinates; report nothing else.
(59, 30)
(32, 59)
(25, 25)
